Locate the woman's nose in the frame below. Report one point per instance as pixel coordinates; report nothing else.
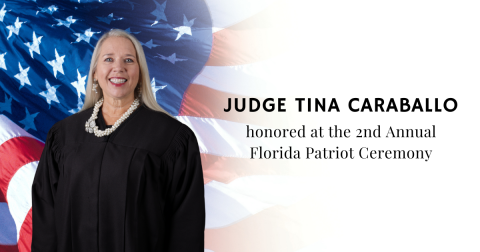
(118, 65)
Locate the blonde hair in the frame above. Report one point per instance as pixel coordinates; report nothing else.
(147, 98)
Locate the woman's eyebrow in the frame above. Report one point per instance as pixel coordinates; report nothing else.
(110, 54)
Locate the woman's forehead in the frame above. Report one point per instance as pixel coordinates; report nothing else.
(116, 46)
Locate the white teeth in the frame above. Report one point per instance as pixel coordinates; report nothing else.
(117, 81)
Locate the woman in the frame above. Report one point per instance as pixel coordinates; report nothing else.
(120, 175)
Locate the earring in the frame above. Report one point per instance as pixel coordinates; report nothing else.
(95, 85)
(139, 92)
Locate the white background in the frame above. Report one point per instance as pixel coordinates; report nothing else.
(392, 49)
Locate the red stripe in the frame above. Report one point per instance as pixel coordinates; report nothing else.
(202, 101)
(8, 248)
(2, 198)
(15, 153)
(227, 169)
(25, 239)
(259, 37)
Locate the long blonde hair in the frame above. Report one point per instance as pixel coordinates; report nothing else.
(147, 98)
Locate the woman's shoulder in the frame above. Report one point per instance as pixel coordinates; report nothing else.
(74, 119)
(163, 131)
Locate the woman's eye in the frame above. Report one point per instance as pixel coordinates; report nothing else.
(109, 59)
(129, 60)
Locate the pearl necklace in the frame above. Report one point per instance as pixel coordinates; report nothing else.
(91, 127)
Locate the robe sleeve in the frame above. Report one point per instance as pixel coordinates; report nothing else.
(186, 199)
(44, 238)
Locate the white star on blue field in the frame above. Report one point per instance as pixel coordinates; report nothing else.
(159, 12)
(29, 120)
(57, 63)
(155, 88)
(67, 22)
(149, 44)
(3, 12)
(2, 61)
(50, 9)
(50, 94)
(46, 47)
(6, 105)
(23, 76)
(34, 46)
(86, 36)
(172, 58)
(79, 84)
(14, 28)
(186, 28)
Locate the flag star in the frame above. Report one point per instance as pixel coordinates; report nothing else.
(14, 29)
(79, 84)
(86, 36)
(67, 22)
(34, 46)
(2, 61)
(128, 30)
(50, 94)
(79, 106)
(186, 28)
(57, 63)
(149, 44)
(7, 105)
(172, 58)
(50, 9)
(108, 18)
(29, 120)
(23, 76)
(155, 88)
(2, 12)
(159, 12)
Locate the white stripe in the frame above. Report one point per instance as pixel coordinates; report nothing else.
(224, 208)
(227, 13)
(226, 138)
(268, 78)
(254, 194)
(19, 193)
(9, 130)
(216, 29)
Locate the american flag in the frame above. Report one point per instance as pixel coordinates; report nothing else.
(199, 54)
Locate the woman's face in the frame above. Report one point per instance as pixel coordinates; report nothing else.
(117, 69)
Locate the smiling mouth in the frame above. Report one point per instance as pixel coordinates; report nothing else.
(117, 80)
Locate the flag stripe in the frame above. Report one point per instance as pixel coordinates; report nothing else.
(258, 79)
(10, 130)
(250, 195)
(8, 248)
(227, 169)
(15, 153)
(25, 240)
(222, 138)
(227, 13)
(268, 230)
(8, 230)
(19, 194)
(255, 38)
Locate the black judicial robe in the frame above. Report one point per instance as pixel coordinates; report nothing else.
(138, 190)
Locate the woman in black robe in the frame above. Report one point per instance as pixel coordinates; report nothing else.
(120, 175)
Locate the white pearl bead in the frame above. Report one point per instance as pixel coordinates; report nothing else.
(106, 132)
